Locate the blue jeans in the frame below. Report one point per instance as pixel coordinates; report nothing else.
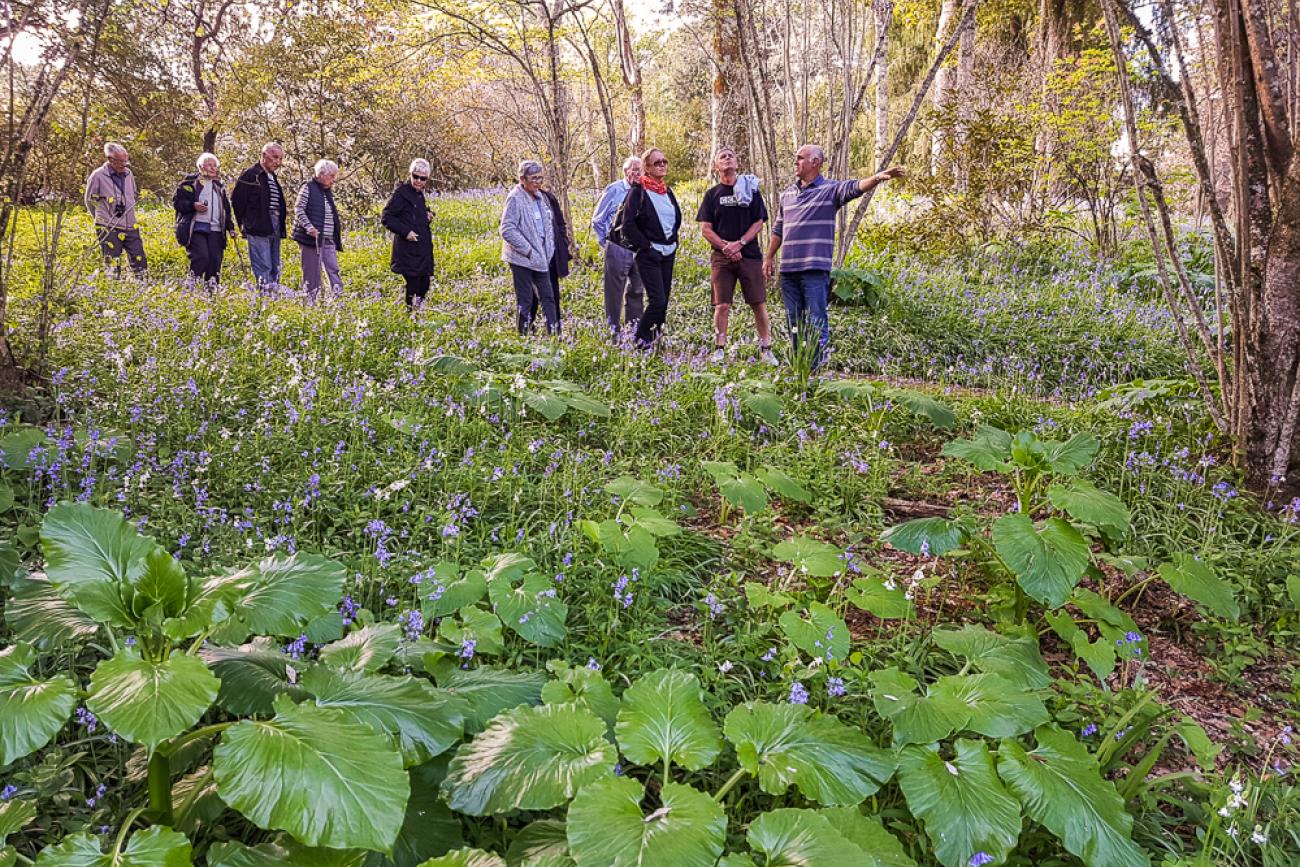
(264, 256)
(805, 294)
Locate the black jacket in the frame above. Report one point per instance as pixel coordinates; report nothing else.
(559, 261)
(251, 200)
(406, 212)
(641, 226)
(183, 201)
(318, 199)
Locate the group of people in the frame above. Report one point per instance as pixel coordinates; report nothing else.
(637, 222)
(208, 218)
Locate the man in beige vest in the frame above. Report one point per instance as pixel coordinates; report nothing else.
(111, 196)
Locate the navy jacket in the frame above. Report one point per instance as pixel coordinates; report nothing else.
(317, 199)
(251, 200)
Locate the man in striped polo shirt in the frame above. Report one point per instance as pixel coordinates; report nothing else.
(805, 229)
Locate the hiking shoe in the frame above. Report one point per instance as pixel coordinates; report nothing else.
(767, 356)
(718, 356)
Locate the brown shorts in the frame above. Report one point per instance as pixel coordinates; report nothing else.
(748, 271)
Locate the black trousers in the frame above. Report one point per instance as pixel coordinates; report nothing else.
(416, 287)
(656, 272)
(205, 250)
(533, 289)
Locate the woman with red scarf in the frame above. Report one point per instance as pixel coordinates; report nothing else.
(651, 218)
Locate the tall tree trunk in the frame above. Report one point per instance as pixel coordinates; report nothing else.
(964, 92)
(728, 121)
(942, 81)
(631, 68)
(884, 10)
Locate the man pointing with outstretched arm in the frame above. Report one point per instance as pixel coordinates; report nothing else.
(805, 231)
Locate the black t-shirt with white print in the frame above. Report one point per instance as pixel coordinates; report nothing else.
(730, 219)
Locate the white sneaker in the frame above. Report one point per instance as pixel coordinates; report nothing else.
(768, 357)
(719, 356)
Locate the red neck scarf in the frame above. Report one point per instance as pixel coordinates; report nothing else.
(654, 185)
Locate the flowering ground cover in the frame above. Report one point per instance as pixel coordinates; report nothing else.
(327, 583)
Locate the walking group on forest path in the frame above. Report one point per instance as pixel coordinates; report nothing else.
(637, 222)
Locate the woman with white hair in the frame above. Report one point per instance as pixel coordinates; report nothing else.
(407, 215)
(318, 229)
(203, 218)
(527, 245)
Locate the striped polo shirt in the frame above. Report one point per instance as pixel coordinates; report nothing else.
(807, 222)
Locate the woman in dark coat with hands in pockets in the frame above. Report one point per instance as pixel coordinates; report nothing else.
(407, 215)
(651, 219)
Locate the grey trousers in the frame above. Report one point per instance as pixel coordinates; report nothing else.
(624, 294)
(313, 261)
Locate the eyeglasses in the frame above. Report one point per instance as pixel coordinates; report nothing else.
(659, 162)
(534, 179)
(416, 177)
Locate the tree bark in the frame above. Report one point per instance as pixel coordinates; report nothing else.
(884, 10)
(631, 68)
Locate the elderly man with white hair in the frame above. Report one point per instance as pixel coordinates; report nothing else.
(624, 295)
(527, 245)
(111, 197)
(805, 230)
(408, 215)
(258, 202)
(318, 229)
(203, 218)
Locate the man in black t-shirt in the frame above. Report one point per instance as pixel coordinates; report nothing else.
(731, 216)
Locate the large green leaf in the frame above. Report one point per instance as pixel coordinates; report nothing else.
(1199, 582)
(488, 691)
(32, 710)
(989, 449)
(91, 556)
(828, 761)
(823, 635)
(477, 625)
(546, 402)
(583, 685)
(802, 838)
(449, 589)
(1016, 659)
(664, 718)
(156, 846)
(148, 702)
(365, 649)
(765, 405)
(810, 556)
(937, 413)
(1084, 501)
(635, 491)
(252, 675)
(544, 841)
(964, 805)
(1047, 561)
(1099, 654)
(652, 521)
(926, 536)
(288, 592)
(316, 773)
(425, 721)
(916, 719)
(284, 851)
(429, 829)
(784, 485)
(16, 446)
(882, 597)
(881, 847)
(1072, 456)
(745, 492)
(532, 609)
(529, 758)
(466, 858)
(1061, 788)
(37, 614)
(997, 708)
(15, 814)
(607, 827)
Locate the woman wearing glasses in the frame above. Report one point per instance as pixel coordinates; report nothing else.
(651, 218)
(407, 215)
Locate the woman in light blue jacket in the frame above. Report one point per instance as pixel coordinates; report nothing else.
(527, 244)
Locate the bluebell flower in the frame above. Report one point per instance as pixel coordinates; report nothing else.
(835, 687)
(979, 859)
(8, 792)
(798, 693)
